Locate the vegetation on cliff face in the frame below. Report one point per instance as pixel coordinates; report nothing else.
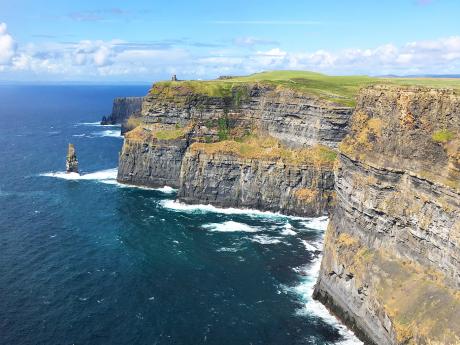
(337, 89)
(269, 148)
(443, 136)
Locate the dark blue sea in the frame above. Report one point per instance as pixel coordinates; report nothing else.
(84, 260)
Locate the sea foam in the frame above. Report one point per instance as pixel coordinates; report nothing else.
(200, 209)
(230, 226)
(107, 176)
(112, 133)
(102, 175)
(264, 239)
(312, 307)
(319, 223)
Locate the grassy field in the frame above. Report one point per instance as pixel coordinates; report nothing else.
(338, 89)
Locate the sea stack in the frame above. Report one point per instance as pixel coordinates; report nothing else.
(71, 161)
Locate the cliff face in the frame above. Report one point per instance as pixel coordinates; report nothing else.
(391, 264)
(176, 120)
(122, 109)
(229, 180)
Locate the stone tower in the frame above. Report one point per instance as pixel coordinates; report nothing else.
(71, 161)
(174, 77)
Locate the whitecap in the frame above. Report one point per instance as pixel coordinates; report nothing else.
(287, 230)
(166, 189)
(264, 239)
(79, 135)
(200, 209)
(230, 226)
(309, 247)
(319, 223)
(227, 249)
(113, 133)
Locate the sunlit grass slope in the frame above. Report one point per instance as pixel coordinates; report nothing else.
(338, 89)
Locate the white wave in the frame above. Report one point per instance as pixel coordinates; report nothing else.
(106, 176)
(319, 223)
(313, 307)
(166, 189)
(200, 208)
(98, 123)
(264, 239)
(287, 230)
(227, 249)
(309, 247)
(79, 135)
(230, 226)
(113, 133)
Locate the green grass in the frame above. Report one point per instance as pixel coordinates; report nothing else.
(338, 89)
(442, 136)
(170, 134)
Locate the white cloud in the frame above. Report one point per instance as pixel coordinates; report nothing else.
(114, 59)
(7, 45)
(97, 53)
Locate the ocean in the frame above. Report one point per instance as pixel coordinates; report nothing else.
(85, 260)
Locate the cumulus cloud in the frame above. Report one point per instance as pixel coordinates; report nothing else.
(7, 45)
(97, 53)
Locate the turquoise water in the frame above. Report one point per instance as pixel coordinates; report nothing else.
(84, 260)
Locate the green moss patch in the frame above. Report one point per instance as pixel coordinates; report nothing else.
(443, 136)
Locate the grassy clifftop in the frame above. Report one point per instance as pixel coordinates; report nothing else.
(337, 89)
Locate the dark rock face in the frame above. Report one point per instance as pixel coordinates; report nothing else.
(152, 164)
(123, 108)
(391, 264)
(231, 181)
(71, 160)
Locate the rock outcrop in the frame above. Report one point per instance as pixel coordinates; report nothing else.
(122, 109)
(391, 264)
(71, 160)
(176, 118)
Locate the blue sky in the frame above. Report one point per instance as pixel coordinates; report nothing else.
(102, 40)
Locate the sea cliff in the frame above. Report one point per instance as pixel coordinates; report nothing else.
(391, 264)
(122, 109)
(237, 144)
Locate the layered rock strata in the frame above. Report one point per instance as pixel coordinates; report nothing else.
(226, 179)
(391, 264)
